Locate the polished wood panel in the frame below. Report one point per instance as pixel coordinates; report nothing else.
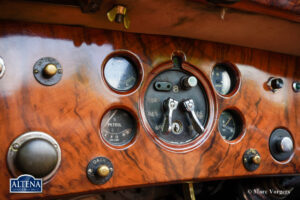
(71, 110)
(182, 18)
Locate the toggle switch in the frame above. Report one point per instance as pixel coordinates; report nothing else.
(169, 106)
(189, 106)
(275, 84)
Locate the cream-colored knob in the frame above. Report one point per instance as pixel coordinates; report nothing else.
(103, 170)
(50, 70)
(256, 159)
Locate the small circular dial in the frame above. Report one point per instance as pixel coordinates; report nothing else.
(118, 127)
(223, 79)
(120, 73)
(230, 125)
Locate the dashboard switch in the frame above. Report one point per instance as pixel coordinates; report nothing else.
(296, 86)
(275, 84)
(169, 105)
(47, 71)
(103, 170)
(281, 144)
(189, 106)
(251, 159)
(285, 144)
(189, 82)
(99, 170)
(50, 70)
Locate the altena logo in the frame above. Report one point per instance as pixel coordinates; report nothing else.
(25, 184)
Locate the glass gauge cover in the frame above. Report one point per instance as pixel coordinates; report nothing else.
(118, 127)
(223, 78)
(230, 125)
(120, 74)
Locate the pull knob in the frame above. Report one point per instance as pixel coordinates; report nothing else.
(256, 159)
(285, 144)
(169, 105)
(49, 70)
(189, 106)
(103, 170)
(189, 82)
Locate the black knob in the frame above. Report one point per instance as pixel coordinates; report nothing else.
(276, 83)
(189, 82)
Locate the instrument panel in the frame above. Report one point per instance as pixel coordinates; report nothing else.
(132, 109)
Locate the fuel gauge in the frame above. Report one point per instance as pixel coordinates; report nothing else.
(118, 127)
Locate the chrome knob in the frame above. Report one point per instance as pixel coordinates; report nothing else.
(285, 144)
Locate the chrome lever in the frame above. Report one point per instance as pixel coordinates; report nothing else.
(169, 105)
(189, 106)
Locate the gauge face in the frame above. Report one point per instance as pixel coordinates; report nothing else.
(230, 125)
(118, 127)
(223, 79)
(121, 74)
(182, 127)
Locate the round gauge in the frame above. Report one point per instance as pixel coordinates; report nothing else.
(230, 125)
(118, 127)
(223, 78)
(120, 73)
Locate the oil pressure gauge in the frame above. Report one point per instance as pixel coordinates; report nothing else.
(118, 127)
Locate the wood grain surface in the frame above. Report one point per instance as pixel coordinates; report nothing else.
(71, 110)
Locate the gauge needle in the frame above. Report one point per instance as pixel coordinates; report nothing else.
(227, 121)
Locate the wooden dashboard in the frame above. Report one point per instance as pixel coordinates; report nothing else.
(71, 110)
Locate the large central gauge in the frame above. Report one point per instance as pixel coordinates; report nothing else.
(176, 106)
